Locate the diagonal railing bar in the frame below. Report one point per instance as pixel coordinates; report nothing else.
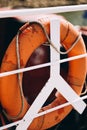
(44, 112)
(41, 65)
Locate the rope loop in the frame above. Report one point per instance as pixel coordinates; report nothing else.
(52, 44)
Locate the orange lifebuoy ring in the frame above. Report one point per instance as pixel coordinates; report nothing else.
(32, 36)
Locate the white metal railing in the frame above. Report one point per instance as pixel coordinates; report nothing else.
(41, 65)
(12, 13)
(35, 11)
(42, 113)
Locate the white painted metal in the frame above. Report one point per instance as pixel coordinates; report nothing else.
(42, 113)
(48, 88)
(57, 81)
(42, 65)
(73, 101)
(70, 94)
(34, 11)
(60, 106)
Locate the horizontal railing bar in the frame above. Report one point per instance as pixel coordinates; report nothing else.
(45, 10)
(41, 65)
(60, 106)
(10, 125)
(44, 112)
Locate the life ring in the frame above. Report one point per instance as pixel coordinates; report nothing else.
(30, 38)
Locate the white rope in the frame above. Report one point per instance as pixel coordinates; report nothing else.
(34, 11)
(41, 65)
(44, 112)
